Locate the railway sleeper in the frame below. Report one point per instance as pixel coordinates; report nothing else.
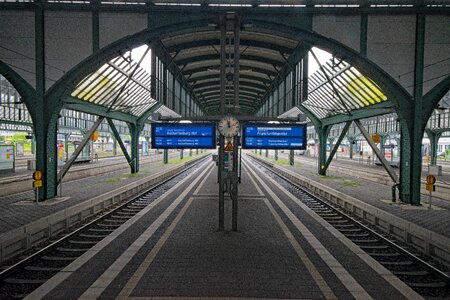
(77, 242)
(58, 258)
(43, 269)
(429, 285)
(113, 221)
(396, 263)
(344, 230)
(24, 281)
(410, 273)
(108, 225)
(374, 247)
(98, 236)
(357, 235)
(63, 249)
(101, 229)
(121, 217)
(371, 241)
(379, 254)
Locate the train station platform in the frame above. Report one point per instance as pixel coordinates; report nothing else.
(172, 250)
(24, 222)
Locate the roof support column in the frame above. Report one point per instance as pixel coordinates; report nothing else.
(434, 137)
(95, 26)
(237, 34)
(363, 32)
(322, 132)
(44, 119)
(164, 85)
(412, 130)
(223, 58)
(153, 74)
(351, 141)
(134, 132)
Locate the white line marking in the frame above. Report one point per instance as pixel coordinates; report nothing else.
(341, 273)
(133, 281)
(111, 273)
(315, 274)
(57, 279)
(399, 285)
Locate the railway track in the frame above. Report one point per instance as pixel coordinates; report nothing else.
(424, 278)
(20, 279)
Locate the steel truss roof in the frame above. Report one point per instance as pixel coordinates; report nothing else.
(120, 85)
(338, 88)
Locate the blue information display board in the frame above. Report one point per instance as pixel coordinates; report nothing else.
(274, 136)
(180, 135)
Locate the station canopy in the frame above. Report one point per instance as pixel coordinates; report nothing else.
(336, 88)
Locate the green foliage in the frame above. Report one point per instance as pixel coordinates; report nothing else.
(351, 183)
(19, 138)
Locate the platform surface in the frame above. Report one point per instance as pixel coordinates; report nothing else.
(174, 250)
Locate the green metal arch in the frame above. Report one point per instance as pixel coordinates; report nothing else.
(394, 90)
(26, 91)
(432, 98)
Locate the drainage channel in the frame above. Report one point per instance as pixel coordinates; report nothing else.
(28, 274)
(424, 278)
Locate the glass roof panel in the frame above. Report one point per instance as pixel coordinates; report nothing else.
(339, 88)
(120, 84)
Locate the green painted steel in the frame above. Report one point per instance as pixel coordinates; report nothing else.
(134, 132)
(323, 132)
(372, 111)
(95, 28)
(26, 91)
(432, 98)
(434, 137)
(119, 140)
(99, 110)
(411, 164)
(165, 156)
(363, 35)
(336, 146)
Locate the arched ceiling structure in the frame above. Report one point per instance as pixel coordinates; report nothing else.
(267, 55)
(262, 56)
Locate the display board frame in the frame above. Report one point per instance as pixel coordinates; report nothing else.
(7, 158)
(211, 145)
(245, 137)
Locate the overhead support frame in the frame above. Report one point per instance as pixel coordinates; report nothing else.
(377, 152)
(78, 150)
(119, 140)
(336, 145)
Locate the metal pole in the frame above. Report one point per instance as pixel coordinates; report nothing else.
(429, 207)
(234, 184)
(223, 36)
(60, 187)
